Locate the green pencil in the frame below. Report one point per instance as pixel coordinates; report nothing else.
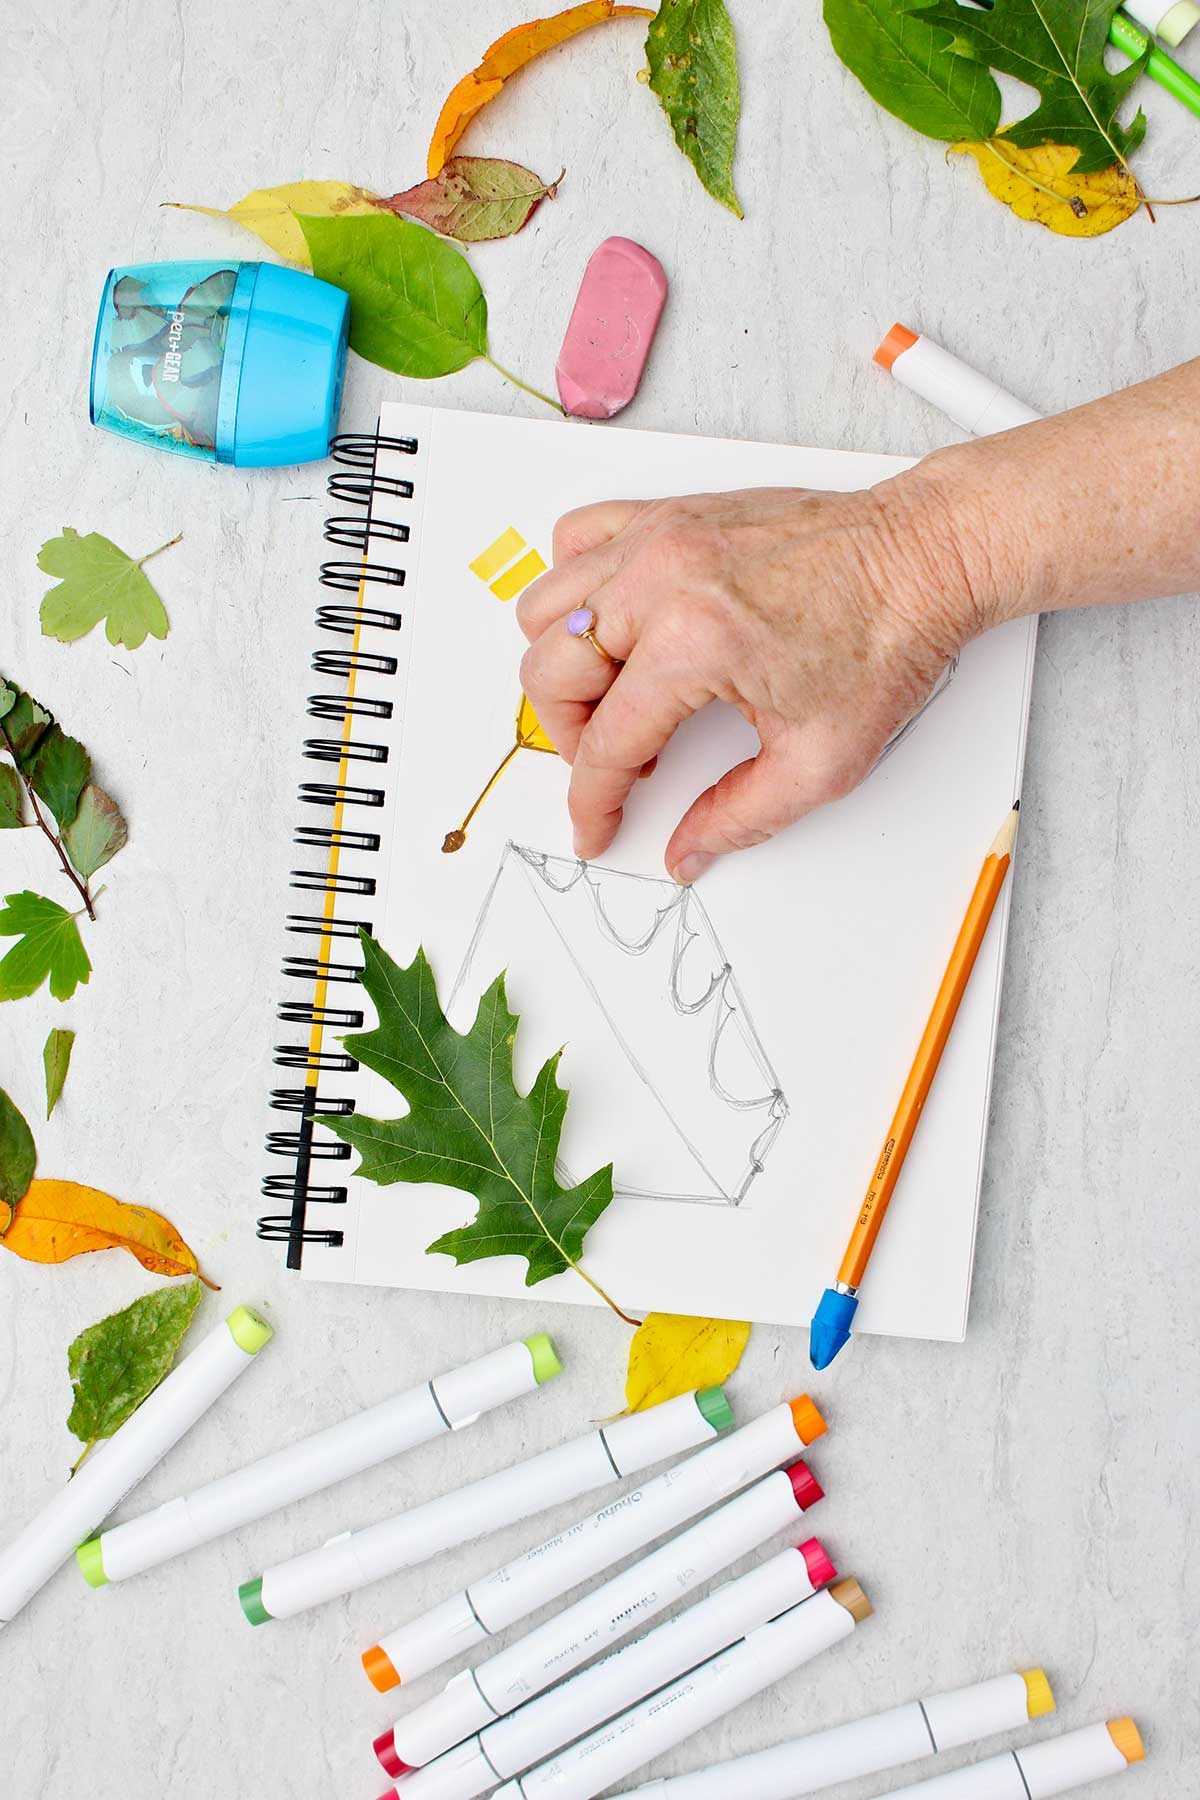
(1159, 66)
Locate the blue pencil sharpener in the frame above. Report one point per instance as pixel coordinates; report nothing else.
(229, 362)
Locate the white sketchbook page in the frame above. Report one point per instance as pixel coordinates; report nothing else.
(837, 933)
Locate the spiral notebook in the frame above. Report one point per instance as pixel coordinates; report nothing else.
(735, 1049)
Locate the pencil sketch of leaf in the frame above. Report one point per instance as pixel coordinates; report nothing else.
(467, 1126)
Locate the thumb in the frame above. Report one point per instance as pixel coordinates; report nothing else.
(747, 806)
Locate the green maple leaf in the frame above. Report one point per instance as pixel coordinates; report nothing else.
(467, 1125)
(99, 581)
(49, 945)
(1057, 48)
(692, 57)
(116, 1363)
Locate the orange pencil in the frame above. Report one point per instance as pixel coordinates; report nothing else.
(830, 1328)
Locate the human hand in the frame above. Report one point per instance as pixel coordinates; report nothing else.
(824, 618)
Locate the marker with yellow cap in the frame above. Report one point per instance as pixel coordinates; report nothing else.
(116, 1466)
(447, 1403)
(630, 1523)
(886, 1741)
(1039, 1771)
(356, 1558)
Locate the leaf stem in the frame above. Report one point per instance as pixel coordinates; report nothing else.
(526, 389)
(607, 1298)
(40, 821)
(167, 546)
(78, 1463)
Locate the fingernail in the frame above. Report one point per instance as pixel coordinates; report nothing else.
(691, 868)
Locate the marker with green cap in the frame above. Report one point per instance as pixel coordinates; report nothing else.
(498, 1600)
(447, 1403)
(625, 1447)
(107, 1476)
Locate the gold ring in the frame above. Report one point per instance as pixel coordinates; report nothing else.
(582, 624)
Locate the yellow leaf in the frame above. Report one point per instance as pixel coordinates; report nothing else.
(270, 212)
(55, 1220)
(672, 1353)
(1105, 199)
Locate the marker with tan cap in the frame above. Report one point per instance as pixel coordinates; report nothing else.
(664, 1719)
(976, 403)
(1041, 1770)
(120, 1463)
(447, 1403)
(866, 1746)
(627, 1524)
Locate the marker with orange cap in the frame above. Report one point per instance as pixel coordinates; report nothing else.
(625, 1525)
(354, 1559)
(472, 1701)
(830, 1328)
(974, 402)
(888, 1740)
(1040, 1770)
(608, 1687)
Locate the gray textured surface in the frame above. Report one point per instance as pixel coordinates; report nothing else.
(1029, 1497)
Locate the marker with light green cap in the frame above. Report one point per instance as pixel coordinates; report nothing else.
(446, 1403)
(104, 1479)
(624, 1447)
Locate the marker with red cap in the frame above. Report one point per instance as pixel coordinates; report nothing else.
(614, 1532)
(974, 402)
(598, 1693)
(473, 1700)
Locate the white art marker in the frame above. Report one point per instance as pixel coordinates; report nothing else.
(676, 1711)
(598, 1693)
(886, 1741)
(975, 403)
(119, 1464)
(357, 1558)
(636, 1519)
(446, 1403)
(1170, 20)
(1039, 1771)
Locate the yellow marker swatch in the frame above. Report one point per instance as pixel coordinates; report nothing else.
(489, 562)
(511, 583)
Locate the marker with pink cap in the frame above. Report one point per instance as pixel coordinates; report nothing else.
(606, 1688)
(614, 1532)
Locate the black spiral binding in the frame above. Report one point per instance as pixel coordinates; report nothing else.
(355, 483)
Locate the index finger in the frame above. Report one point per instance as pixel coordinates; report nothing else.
(636, 718)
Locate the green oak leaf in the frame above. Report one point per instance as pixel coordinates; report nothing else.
(415, 304)
(56, 1060)
(693, 70)
(467, 1126)
(475, 198)
(116, 1363)
(10, 798)
(18, 1159)
(57, 772)
(49, 945)
(1058, 50)
(909, 66)
(96, 833)
(99, 581)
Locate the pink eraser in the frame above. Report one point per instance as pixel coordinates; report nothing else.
(612, 327)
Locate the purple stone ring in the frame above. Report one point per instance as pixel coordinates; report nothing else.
(582, 624)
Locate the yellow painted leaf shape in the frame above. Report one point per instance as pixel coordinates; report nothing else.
(1107, 197)
(672, 1353)
(55, 1220)
(270, 212)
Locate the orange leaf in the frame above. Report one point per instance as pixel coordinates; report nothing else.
(503, 58)
(55, 1220)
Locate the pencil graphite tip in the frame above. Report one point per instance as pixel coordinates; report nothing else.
(830, 1328)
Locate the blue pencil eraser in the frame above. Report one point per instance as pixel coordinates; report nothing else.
(830, 1328)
